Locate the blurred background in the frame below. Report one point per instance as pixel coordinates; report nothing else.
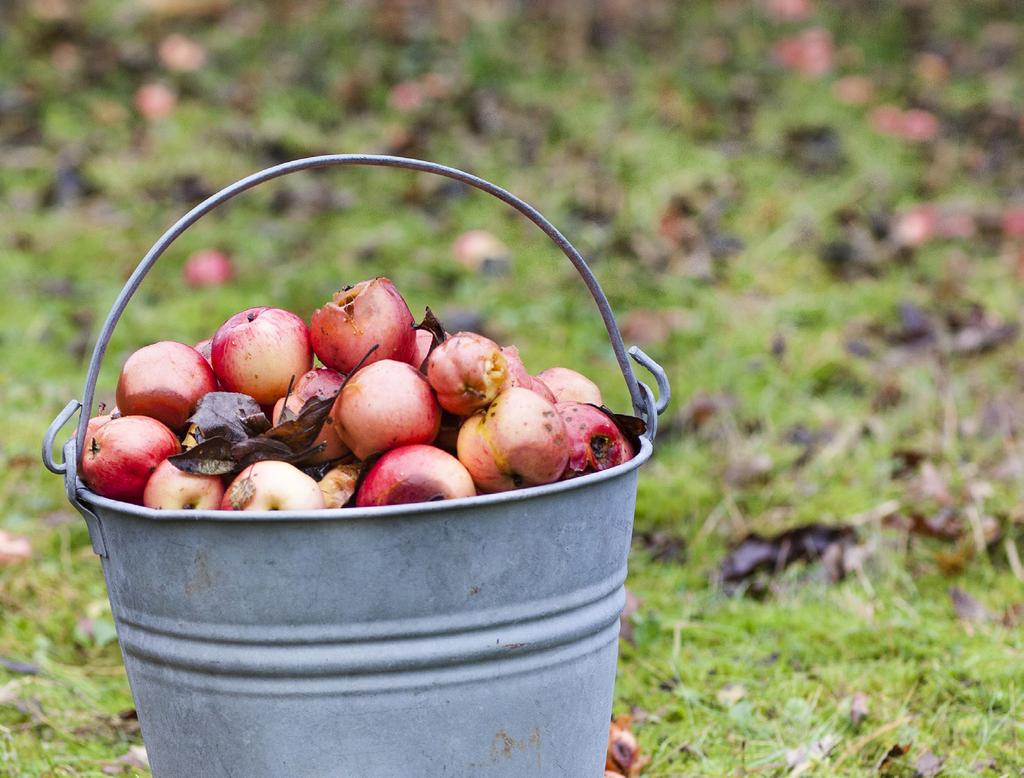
(811, 213)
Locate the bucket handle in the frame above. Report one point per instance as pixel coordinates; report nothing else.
(643, 399)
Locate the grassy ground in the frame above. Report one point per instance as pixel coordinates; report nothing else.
(824, 405)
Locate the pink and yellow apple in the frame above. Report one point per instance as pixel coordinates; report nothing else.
(520, 440)
(386, 405)
(467, 371)
(172, 489)
(272, 486)
(371, 313)
(261, 352)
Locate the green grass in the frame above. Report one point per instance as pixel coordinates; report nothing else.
(718, 684)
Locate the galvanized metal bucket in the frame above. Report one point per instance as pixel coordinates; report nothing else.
(468, 637)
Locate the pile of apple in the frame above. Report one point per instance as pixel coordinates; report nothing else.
(399, 413)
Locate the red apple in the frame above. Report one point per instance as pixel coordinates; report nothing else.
(180, 54)
(155, 100)
(371, 313)
(520, 440)
(595, 442)
(339, 484)
(386, 405)
(172, 489)
(272, 486)
(208, 267)
(123, 453)
(260, 352)
(414, 474)
(479, 250)
(568, 385)
(467, 371)
(164, 381)
(424, 340)
(321, 383)
(94, 424)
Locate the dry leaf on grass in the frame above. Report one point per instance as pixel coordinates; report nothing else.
(624, 757)
(887, 760)
(807, 543)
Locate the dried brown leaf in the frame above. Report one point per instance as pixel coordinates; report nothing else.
(624, 756)
(887, 760)
(229, 415)
(211, 457)
(968, 609)
(807, 543)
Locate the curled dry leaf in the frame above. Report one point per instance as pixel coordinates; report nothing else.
(624, 757)
(806, 543)
(968, 609)
(886, 760)
(230, 415)
(234, 433)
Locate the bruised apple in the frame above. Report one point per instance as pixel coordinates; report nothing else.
(415, 473)
(595, 442)
(520, 440)
(122, 454)
(260, 352)
(172, 489)
(339, 484)
(467, 371)
(371, 313)
(164, 381)
(272, 486)
(383, 406)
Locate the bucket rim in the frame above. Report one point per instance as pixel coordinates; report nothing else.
(383, 511)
